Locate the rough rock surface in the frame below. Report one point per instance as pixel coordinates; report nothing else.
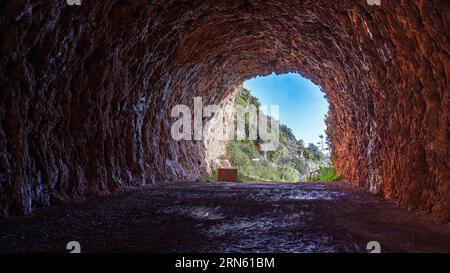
(216, 131)
(86, 92)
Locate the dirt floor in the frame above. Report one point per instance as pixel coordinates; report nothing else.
(227, 217)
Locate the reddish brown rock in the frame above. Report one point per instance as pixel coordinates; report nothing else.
(86, 92)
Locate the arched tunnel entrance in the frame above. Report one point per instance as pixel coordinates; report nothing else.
(87, 90)
(296, 150)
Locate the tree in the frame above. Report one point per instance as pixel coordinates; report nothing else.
(316, 154)
(321, 143)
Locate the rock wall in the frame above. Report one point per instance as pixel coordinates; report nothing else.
(217, 132)
(86, 91)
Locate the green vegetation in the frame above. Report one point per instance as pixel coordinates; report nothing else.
(210, 178)
(329, 174)
(291, 162)
(326, 174)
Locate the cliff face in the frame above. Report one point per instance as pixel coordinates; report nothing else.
(86, 92)
(217, 129)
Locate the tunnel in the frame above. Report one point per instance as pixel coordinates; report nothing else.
(87, 90)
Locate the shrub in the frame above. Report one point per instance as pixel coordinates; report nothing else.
(239, 158)
(211, 178)
(266, 171)
(287, 173)
(327, 174)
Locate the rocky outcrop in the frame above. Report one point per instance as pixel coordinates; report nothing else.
(86, 91)
(217, 132)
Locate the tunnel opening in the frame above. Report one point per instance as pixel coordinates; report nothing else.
(88, 91)
(299, 109)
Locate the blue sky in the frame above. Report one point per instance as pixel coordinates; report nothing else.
(302, 104)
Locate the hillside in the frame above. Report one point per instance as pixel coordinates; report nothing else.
(292, 161)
